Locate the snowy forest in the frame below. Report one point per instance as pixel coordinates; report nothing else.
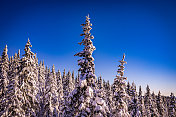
(29, 88)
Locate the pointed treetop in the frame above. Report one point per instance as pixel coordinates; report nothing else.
(5, 55)
(140, 88)
(122, 62)
(28, 39)
(86, 30)
(148, 89)
(15, 56)
(53, 68)
(40, 63)
(18, 53)
(28, 53)
(123, 56)
(140, 91)
(5, 49)
(87, 17)
(153, 93)
(121, 67)
(35, 55)
(43, 63)
(73, 74)
(159, 93)
(49, 70)
(28, 43)
(64, 73)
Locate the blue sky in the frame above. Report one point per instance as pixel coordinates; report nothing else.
(144, 30)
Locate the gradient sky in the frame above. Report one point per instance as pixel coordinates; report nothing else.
(144, 30)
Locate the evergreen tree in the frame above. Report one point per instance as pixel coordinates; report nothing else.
(68, 88)
(141, 103)
(109, 95)
(83, 99)
(104, 83)
(73, 79)
(128, 89)
(28, 82)
(101, 97)
(14, 96)
(100, 83)
(77, 80)
(153, 109)
(47, 72)
(41, 86)
(51, 96)
(64, 82)
(18, 55)
(69, 84)
(160, 105)
(119, 94)
(149, 102)
(60, 92)
(172, 106)
(133, 106)
(4, 67)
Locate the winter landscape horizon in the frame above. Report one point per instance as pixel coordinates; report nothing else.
(120, 63)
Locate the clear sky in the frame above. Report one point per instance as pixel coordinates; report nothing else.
(144, 30)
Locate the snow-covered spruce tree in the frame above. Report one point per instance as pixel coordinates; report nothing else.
(69, 84)
(100, 83)
(154, 110)
(68, 88)
(108, 93)
(119, 94)
(150, 104)
(28, 76)
(166, 101)
(77, 80)
(129, 92)
(59, 83)
(73, 79)
(41, 79)
(141, 103)
(46, 74)
(60, 92)
(133, 105)
(64, 84)
(128, 89)
(101, 94)
(18, 55)
(14, 96)
(51, 96)
(4, 67)
(84, 102)
(172, 106)
(104, 83)
(160, 105)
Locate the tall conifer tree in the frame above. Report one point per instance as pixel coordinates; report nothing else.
(14, 97)
(141, 103)
(28, 82)
(119, 94)
(4, 68)
(172, 106)
(84, 100)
